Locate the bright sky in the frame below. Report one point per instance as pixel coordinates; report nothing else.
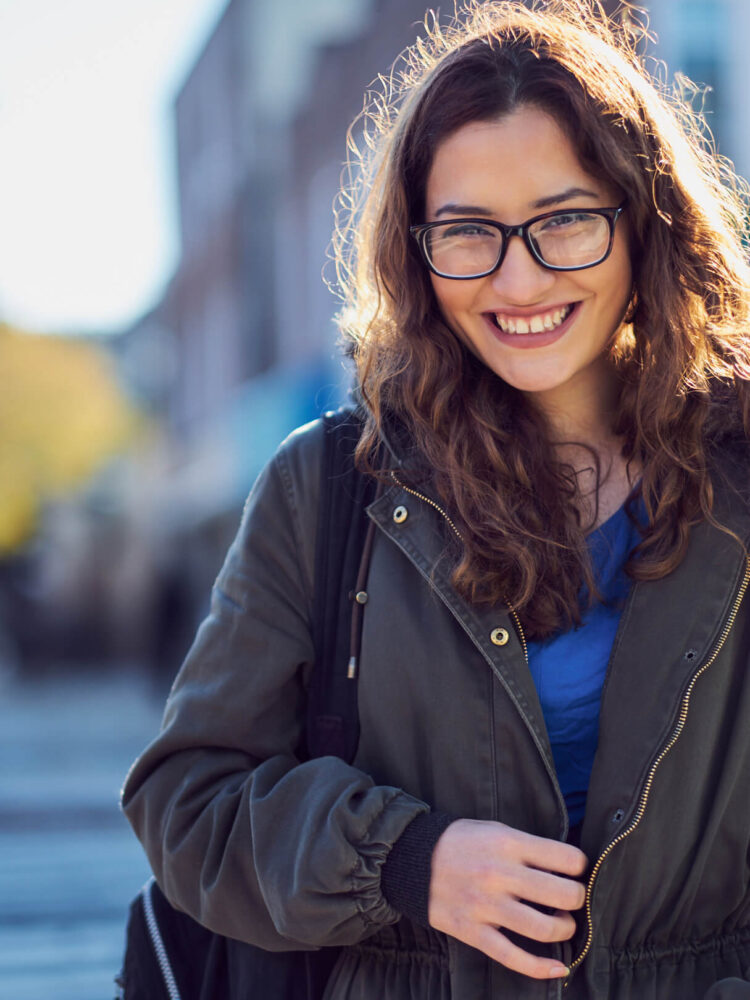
(87, 200)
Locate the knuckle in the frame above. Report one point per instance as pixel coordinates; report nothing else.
(572, 896)
(513, 839)
(556, 929)
(531, 924)
(463, 926)
(552, 931)
(535, 925)
(565, 928)
(574, 861)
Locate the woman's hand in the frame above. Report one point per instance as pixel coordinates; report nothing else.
(483, 876)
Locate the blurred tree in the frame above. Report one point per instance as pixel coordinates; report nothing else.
(62, 415)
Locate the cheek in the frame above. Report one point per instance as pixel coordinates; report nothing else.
(452, 297)
(623, 262)
(617, 283)
(626, 286)
(452, 303)
(442, 291)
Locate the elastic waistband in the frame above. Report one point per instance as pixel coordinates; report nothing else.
(406, 942)
(716, 944)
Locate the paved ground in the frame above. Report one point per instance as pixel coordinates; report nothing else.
(68, 862)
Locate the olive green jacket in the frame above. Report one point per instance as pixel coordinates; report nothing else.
(288, 855)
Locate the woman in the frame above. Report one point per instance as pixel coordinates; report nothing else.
(547, 302)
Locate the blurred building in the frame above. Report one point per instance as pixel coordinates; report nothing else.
(242, 347)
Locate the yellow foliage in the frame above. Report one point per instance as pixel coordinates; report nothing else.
(62, 415)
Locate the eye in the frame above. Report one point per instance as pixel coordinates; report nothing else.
(567, 220)
(466, 230)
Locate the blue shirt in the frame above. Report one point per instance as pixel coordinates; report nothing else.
(568, 668)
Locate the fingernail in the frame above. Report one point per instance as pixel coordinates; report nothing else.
(558, 971)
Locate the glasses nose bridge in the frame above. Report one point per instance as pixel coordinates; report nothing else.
(515, 231)
(522, 231)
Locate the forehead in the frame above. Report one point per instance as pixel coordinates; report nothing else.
(506, 165)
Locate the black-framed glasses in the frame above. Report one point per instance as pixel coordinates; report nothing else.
(571, 239)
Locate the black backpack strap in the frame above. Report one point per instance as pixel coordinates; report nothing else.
(332, 717)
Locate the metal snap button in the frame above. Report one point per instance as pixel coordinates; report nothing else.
(400, 514)
(499, 636)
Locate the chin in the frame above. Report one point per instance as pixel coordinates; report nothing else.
(531, 382)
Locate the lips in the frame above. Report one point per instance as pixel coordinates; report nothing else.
(537, 323)
(532, 330)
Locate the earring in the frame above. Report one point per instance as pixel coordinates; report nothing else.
(632, 309)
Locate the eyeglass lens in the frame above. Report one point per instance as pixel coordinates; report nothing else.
(567, 239)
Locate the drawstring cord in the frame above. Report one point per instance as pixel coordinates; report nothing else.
(360, 596)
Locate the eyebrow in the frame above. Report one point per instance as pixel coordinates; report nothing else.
(554, 199)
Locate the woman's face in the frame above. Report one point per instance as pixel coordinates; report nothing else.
(541, 331)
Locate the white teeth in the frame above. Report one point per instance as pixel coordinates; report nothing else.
(533, 324)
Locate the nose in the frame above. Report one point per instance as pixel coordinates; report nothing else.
(521, 279)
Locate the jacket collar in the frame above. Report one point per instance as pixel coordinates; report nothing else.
(393, 432)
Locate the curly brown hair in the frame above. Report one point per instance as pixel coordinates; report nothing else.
(682, 352)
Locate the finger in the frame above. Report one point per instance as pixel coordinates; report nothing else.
(547, 927)
(497, 946)
(551, 855)
(545, 889)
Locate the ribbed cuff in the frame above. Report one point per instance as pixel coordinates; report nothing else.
(405, 875)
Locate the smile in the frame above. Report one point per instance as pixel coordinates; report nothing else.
(532, 324)
(533, 331)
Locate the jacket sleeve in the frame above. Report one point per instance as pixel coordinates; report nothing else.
(240, 834)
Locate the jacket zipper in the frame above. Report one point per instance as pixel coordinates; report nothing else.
(646, 791)
(156, 940)
(439, 509)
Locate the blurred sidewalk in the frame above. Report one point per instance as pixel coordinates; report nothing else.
(69, 863)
